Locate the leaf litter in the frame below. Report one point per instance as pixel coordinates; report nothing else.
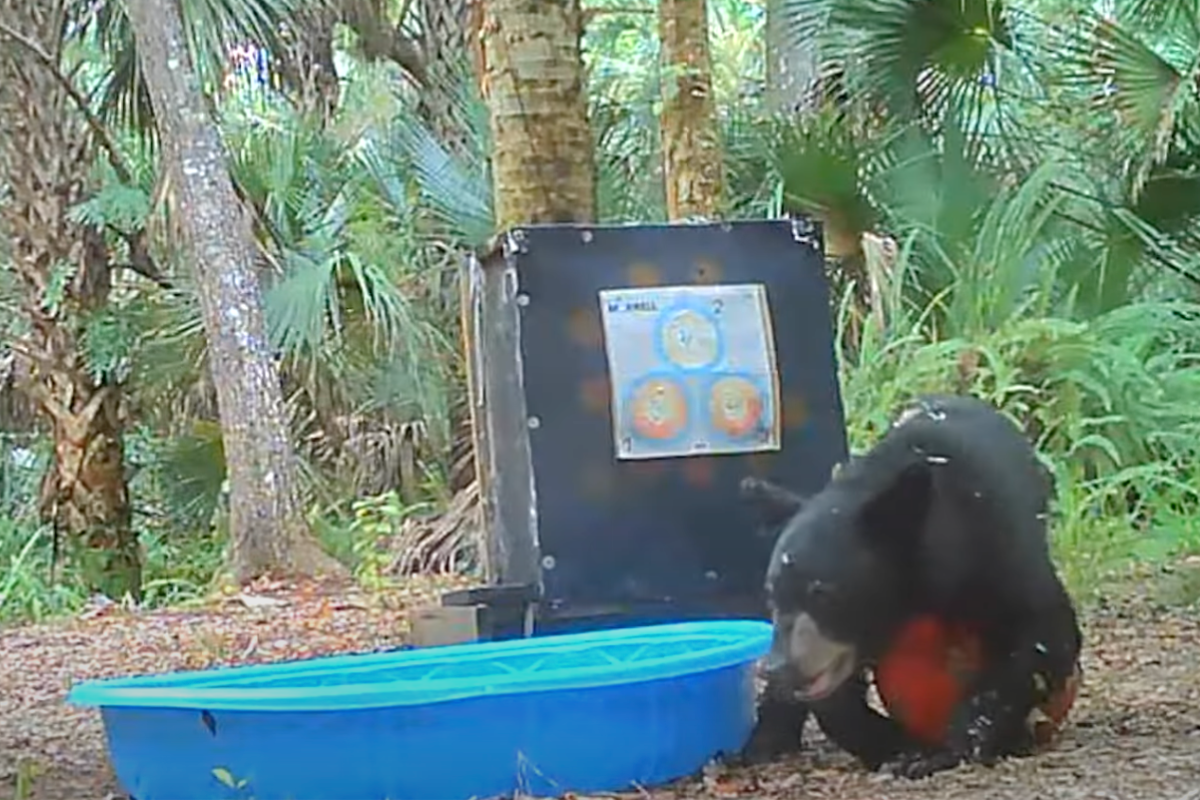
(1134, 733)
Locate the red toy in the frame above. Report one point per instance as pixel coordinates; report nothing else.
(926, 672)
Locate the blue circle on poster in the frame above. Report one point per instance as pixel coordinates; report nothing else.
(688, 338)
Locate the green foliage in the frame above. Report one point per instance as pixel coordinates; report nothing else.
(625, 97)
(1047, 260)
(1109, 402)
(189, 468)
(375, 526)
(124, 207)
(110, 335)
(25, 545)
(181, 554)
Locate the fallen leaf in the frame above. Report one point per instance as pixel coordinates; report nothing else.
(259, 601)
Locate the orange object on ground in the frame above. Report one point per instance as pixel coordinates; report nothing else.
(926, 672)
(924, 675)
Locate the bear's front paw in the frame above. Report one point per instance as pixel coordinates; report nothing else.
(922, 764)
(975, 737)
(770, 742)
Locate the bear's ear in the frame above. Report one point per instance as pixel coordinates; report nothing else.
(896, 515)
(773, 505)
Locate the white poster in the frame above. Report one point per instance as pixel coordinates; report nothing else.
(692, 370)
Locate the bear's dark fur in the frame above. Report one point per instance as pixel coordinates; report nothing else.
(945, 515)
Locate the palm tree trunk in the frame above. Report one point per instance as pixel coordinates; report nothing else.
(691, 144)
(543, 166)
(450, 43)
(62, 267)
(268, 532)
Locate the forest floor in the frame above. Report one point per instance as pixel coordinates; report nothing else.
(1134, 734)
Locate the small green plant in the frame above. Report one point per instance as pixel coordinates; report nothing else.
(374, 531)
(28, 771)
(27, 591)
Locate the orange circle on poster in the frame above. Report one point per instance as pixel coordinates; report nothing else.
(659, 409)
(735, 406)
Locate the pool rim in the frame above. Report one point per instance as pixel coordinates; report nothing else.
(734, 642)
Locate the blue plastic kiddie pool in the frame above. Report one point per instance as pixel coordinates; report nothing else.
(587, 712)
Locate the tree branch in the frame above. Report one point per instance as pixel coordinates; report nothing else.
(140, 260)
(381, 40)
(95, 125)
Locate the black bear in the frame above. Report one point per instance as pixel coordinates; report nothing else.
(937, 534)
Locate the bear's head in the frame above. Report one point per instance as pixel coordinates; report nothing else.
(844, 572)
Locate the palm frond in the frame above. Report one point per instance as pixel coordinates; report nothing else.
(900, 42)
(1149, 95)
(457, 195)
(193, 465)
(301, 306)
(1166, 16)
(1117, 252)
(979, 249)
(923, 60)
(821, 160)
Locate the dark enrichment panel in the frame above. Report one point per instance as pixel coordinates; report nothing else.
(624, 537)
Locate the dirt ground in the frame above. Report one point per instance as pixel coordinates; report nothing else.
(1135, 732)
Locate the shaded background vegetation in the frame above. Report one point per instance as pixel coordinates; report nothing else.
(1011, 198)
